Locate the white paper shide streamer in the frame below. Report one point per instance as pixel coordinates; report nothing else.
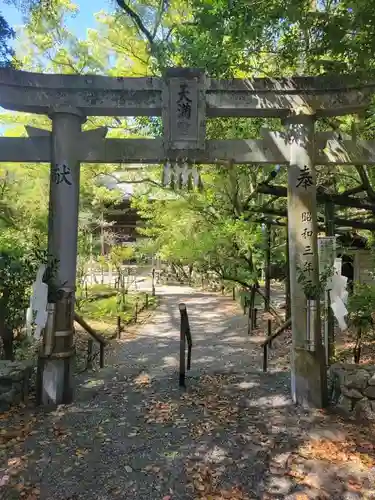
(167, 177)
(181, 174)
(36, 314)
(339, 295)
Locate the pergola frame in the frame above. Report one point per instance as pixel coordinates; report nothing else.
(327, 224)
(324, 199)
(185, 98)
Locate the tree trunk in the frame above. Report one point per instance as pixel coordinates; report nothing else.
(7, 339)
(6, 333)
(358, 346)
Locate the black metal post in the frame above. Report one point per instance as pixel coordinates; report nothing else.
(255, 318)
(90, 345)
(118, 327)
(182, 308)
(185, 337)
(101, 355)
(153, 283)
(267, 274)
(330, 231)
(251, 313)
(265, 356)
(136, 310)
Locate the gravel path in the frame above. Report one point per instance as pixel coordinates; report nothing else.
(218, 329)
(232, 434)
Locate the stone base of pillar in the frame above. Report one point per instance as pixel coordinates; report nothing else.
(57, 381)
(309, 379)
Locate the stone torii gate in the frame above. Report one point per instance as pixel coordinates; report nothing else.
(185, 98)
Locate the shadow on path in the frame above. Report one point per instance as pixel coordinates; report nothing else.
(218, 328)
(134, 434)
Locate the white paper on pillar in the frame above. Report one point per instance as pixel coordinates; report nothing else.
(340, 311)
(338, 265)
(29, 321)
(167, 174)
(178, 171)
(195, 175)
(344, 296)
(38, 301)
(40, 322)
(339, 296)
(185, 174)
(338, 284)
(344, 284)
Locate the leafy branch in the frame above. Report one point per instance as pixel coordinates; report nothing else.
(155, 46)
(138, 22)
(314, 291)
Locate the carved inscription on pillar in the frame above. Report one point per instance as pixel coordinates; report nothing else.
(61, 174)
(305, 182)
(303, 231)
(184, 106)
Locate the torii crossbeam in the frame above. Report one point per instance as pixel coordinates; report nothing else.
(185, 98)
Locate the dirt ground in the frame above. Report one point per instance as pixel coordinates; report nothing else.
(232, 433)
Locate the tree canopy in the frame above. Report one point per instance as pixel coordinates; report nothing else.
(6, 34)
(220, 228)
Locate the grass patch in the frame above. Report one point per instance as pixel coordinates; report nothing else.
(106, 309)
(99, 288)
(94, 289)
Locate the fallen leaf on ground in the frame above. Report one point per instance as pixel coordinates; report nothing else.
(338, 452)
(4, 480)
(160, 412)
(142, 380)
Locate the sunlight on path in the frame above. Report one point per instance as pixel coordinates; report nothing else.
(219, 331)
(232, 434)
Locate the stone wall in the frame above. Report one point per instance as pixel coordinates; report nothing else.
(352, 389)
(14, 382)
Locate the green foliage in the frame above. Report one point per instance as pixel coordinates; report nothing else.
(17, 272)
(18, 269)
(213, 230)
(120, 254)
(96, 288)
(361, 306)
(312, 290)
(106, 309)
(279, 38)
(217, 230)
(6, 34)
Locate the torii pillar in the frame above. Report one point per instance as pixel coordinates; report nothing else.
(309, 385)
(57, 384)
